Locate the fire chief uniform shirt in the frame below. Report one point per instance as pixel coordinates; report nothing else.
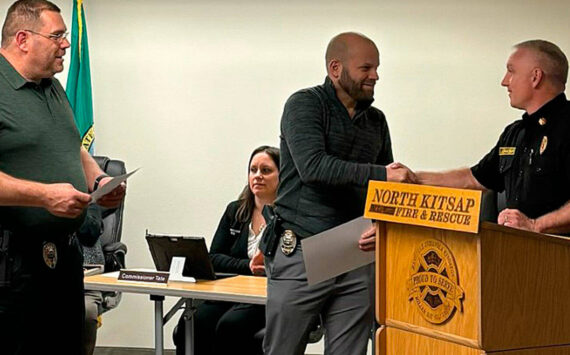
(531, 161)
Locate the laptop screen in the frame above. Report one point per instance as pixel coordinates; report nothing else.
(164, 247)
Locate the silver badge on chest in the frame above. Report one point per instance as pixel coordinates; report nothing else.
(50, 254)
(288, 242)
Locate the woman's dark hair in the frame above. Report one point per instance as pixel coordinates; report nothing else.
(246, 199)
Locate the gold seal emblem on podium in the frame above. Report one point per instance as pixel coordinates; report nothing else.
(433, 286)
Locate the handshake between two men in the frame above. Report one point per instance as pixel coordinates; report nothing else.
(459, 178)
(395, 172)
(398, 172)
(469, 178)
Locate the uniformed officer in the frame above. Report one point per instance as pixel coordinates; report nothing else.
(45, 177)
(531, 161)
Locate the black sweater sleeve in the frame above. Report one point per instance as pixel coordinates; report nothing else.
(228, 251)
(92, 226)
(302, 127)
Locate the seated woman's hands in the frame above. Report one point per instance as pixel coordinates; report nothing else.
(256, 264)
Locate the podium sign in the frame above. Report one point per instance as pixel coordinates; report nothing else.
(438, 207)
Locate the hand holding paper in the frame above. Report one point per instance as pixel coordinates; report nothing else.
(336, 251)
(367, 241)
(111, 190)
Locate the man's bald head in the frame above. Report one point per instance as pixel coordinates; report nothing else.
(340, 46)
(352, 62)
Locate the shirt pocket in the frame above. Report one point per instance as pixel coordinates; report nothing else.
(545, 184)
(505, 163)
(544, 167)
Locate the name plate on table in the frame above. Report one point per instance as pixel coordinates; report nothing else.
(159, 277)
(422, 205)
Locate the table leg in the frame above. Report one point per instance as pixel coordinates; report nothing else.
(158, 324)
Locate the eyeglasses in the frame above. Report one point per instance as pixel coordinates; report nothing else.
(56, 37)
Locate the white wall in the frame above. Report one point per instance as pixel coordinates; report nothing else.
(186, 89)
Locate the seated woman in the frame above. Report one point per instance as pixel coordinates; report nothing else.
(226, 327)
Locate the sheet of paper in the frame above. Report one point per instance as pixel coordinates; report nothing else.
(110, 186)
(335, 251)
(176, 267)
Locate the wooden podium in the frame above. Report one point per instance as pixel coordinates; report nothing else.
(497, 291)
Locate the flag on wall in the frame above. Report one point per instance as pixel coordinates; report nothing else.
(78, 86)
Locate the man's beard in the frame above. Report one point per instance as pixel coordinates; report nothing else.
(354, 89)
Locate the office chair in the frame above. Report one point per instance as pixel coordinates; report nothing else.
(489, 206)
(492, 203)
(113, 249)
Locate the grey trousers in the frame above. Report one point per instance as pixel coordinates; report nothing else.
(345, 304)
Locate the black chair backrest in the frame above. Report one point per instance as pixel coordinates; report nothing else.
(489, 210)
(112, 218)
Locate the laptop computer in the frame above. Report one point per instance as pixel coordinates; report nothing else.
(197, 265)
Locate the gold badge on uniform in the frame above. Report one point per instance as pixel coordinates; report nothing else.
(288, 242)
(50, 254)
(543, 144)
(507, 150)
(542, 121)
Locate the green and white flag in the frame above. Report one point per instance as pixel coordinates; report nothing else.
(78, 86)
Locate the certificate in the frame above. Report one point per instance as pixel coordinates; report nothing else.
(335, 251)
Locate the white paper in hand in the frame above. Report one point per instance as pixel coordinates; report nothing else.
(335, 251)
(110, 186)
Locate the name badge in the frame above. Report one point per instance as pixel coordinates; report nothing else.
(507, 151)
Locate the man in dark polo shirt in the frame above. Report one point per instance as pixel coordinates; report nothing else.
(531, 161)
(45, 176)
(332, 143)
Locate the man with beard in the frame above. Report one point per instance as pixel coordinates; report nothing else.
(332, 143)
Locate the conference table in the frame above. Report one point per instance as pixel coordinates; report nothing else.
(241, 288)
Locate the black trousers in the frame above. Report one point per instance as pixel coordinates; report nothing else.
(224, 328)
(43, 311)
